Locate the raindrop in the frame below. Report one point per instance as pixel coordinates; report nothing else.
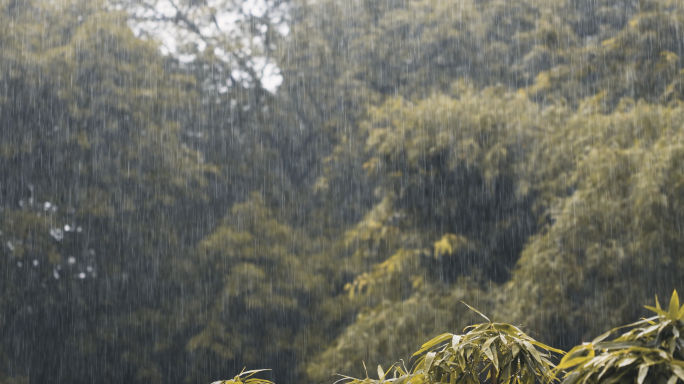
(79, 229)
(89, 268)
(57, 234)
(20, 264)
(67, 228)
(35, 262)
(21, 203)
(47, 205)
(82, 275)
(55, 274)
(10, 246)
(71, 260)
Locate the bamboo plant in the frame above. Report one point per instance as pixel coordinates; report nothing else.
(498, 352)
(652, 352)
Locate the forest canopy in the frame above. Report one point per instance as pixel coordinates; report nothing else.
(319, 184)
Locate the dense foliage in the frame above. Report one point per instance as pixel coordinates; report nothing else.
(171, 217)
(651, 352)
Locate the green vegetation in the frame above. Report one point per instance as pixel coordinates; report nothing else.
(651, 352)
(166, 220)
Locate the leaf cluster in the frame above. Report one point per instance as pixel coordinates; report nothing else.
(497, 351)
(245, 377)
(651, 353)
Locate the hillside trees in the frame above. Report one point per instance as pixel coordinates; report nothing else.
(172, 218)
(417, 167)
(616, 234)
(94, 169)
(254, 283)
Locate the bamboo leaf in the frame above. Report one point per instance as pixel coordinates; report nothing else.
(495, 354)
(657, 310)
(478, 312)
(677, 370)
(507, 328)
(488, 353)
(618, 345)
(572, 362)
(252, 372)
(434, 342)
(674, 305)
(429, 358)
(489, 342)
(515, 349)
(643, 371)
(544, 346)
(602, 337)
(532, 350)
(627, 361)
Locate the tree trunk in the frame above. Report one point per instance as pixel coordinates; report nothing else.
(493, 373)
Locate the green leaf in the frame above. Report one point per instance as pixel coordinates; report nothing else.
(478, 312)
(610, 345)
(381, 373)
(506, 372)
(252, 372)
(657, 310)
(640, 322)
(648, 330)
(643, 371)
(488, 352)
(515, 349)
(489, 342)
(429, 358)
(544, 346)
(572, 362)
(674, 305)
(461, 361)
(506, 328)
(495, 353)
(572, 378)
(532, 350)
(602, 337)
(434, 342)
(677, 370)
(627, 361)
